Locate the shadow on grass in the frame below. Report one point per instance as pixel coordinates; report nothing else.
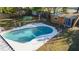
(72, 39)
(75, 45)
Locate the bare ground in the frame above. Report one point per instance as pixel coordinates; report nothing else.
(64, 42)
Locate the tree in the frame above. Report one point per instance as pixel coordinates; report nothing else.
(54, 10)
(7, 10)
(77, 9)
(14, 12)
(37, 9)
(64, 9)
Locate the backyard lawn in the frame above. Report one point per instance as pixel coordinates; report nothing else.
(63, 42)
(56, 17)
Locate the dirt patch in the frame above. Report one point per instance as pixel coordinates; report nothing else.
(59, 44)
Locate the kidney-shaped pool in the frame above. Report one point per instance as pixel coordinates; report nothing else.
(29, 37)
(27, 34)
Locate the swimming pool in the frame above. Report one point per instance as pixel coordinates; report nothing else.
(29, 37)
(27, 34)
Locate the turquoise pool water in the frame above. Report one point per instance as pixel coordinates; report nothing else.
(27, 34)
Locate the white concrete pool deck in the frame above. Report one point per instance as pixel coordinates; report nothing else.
(4, 46)
(35, 43)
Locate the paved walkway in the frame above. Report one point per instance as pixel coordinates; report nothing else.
(4, 46)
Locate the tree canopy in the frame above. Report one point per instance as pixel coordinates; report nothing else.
(7, 10)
